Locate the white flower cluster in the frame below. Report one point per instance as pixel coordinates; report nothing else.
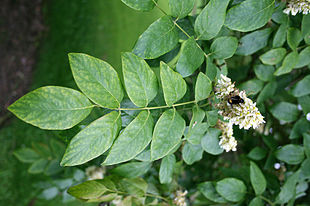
(224, 87)
(94, 172)
(297, 6)
(227, 140)
(245, 114)
(180, 200)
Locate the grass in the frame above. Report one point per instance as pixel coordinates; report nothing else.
(101, 28)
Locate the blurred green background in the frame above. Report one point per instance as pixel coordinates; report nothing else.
(101, 28)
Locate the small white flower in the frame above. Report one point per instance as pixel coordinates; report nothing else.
(180, 200)
(277, 166)
(308, 116)
(227, 141)
(297, 6)
(94, 172)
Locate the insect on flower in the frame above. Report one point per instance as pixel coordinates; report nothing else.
(235, 100)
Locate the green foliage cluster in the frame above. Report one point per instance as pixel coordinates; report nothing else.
(45, 159)
(160, 119)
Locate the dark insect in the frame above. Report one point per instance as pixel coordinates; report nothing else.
(235, 100)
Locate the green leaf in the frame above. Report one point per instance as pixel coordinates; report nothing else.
(288, 190)
(52, 108)
(224, 47)
(180, 8)
(278, 15)
(211, 19)
(307, 38)
(257, 178)
(264, 72)
(211, 69)
(231, 189)
(26, 155)
(38, 166)
(251, 43)
(42, 149)
(268, 92)
(140, 5)
(190, 59)
(271, 143)
(167, 133)
(304, 103)
(159, 38)
(257, 153)
(210, 142)
(252, 86)
(302, 87)
(191, 153)
(166, 169)
(88, 190)
(305, 169)
(305, 25)
(198, 116)
(285, 111)
(144, 156)
(195, 128)
(140, 81)
(53, 167)
(203, 87)
(173, 84)
(288, 64)
(63, 183)
(280, 36)
(97, 80)
(307, 144)
(49, 193)
(291, 154)
(133, 140)
(212, 117)
(294, 37)
(93, 140)
(104, 198)
(208, 190)
(132, 169)
(58, 148)
(300, 127)
(196, 132)
(249, 15)
(136, 186)
(273, 56)
(304, 59)
(256, 202)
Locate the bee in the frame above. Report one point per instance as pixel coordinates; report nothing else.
(235, 100)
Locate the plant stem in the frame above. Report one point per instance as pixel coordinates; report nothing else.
(156, 4)
(157, 196)
(177, 25)
(267, 200)
(146, 194)
(158, 107)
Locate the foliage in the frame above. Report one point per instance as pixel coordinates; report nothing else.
(165, 109)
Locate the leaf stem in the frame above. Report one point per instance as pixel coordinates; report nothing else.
(157, 196)
(267, 200)
(158, 107)
(146, 194)
(156, 4)
(177, 25)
